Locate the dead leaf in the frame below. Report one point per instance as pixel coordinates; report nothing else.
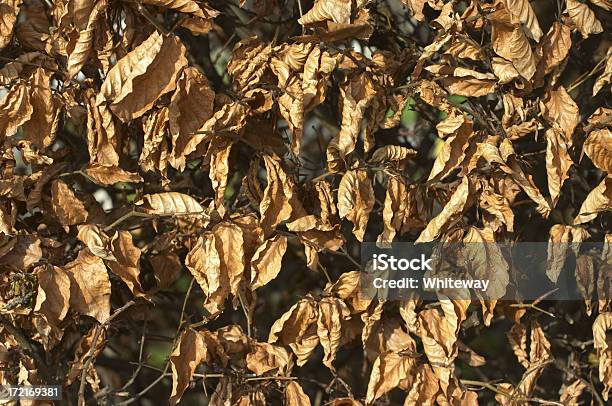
(598, 147)
(597, 201)
(388, 371)
(562, 240)
(142, 76)
(452, 209)
(558, 162)
(84, 43)
(274, 206)
(109, 175)
(267, 260)
(606, 76)
(190, 351)
(295, 396)
(204, 263)
(356, 200)
(8, 16)
(583, 18)
(522, 13)
(53, 297)
(90, 287)
(522, 55)
(126, 262)
(170, 203)
(332, 312)
(559, 108)
(68, 208)
(601, 325)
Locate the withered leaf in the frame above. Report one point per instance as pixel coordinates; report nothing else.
(455, 207)
(84, 43)
(155, 153)
(522, 12)
(109, 175)
(522, 55)
(332, 312)
(267, 260)
(190, 107)
(265, 358)
(204, 263)
(356, 200)
(170, 203)
(583, 18)
(126, 262)
(142, 76)
(456, 130)
(98, 242)
(295, 396)
(41, 128)
(183, 6)
(229, 240)
(598, 200)
(439, 343)
(561, 240)
(601, 325)
(572, 392)
(388, 371)
(53, 297)
(598, 147)
(68, 208)
(558, 162)
(16, 108)
(559, 107)
(356, 94)
(8, 16)
(190, 351)
(338, 11)
(274, 206)
(416, 6)
(298, 329)
(555, 46)
(394, 153)
(102, 132)
(90, 287)
(606, 76)
(487, 261)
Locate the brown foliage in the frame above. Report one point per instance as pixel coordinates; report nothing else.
(186, 184)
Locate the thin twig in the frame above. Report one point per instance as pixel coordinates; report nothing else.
(90, 355)
(247, 314)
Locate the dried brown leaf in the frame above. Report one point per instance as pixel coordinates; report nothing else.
(8, 16)
(68, 208)
(558, 162)
(109, 175)
(267, 260)
(388, 371)
(451, 210)
(583, 18)
(190, 351)
(598, 147)
(138, 79)
(295, 396)
(332, 312)
(522, 13)
(356, 200)
(126, 262)
(597, 201)
(90, 287)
